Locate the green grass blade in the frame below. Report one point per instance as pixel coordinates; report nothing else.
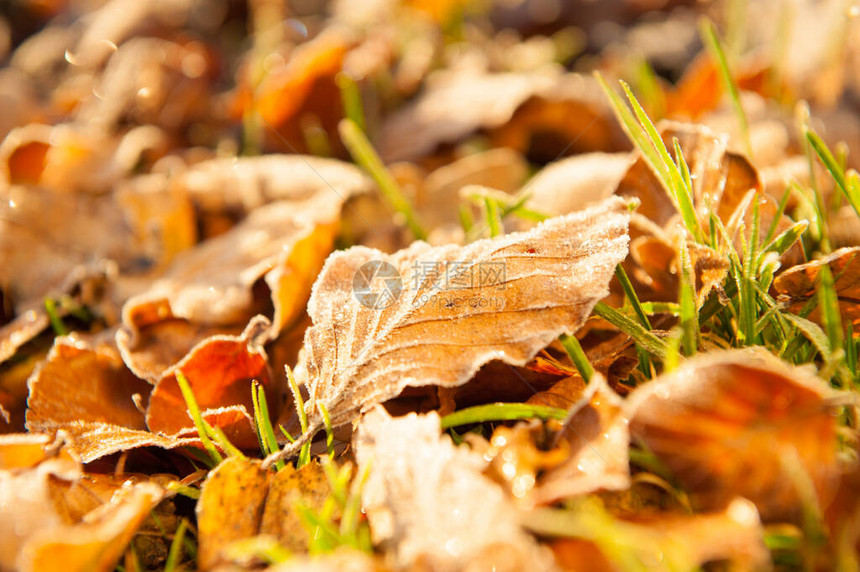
(829, 304)
(651, 308)
(687, 303)
(684, 192)
(577, 356)
(812, 332)
(265, 430)
(501, 412)
(632, 298)
(492, 211)
(364, 155)
(217, 435)
(350, 98)
(645, 339)
(851, 189)
(329, 431)
(643, 134)
(305, 452)
(175, 552)
(709, 37)
(196, 417)
(56, 322)
(787, 238)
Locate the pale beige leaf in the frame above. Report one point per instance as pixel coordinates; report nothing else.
(570, 184)
(454, 105)
(242, 185)
(427, 501)
(504, 299)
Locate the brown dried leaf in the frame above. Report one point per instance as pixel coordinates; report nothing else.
(151, 81)
(212, 284)
(100, 540)
(26, 450)
(242, 185)
(658, 260)
(305, 86)
(720, 179)
(728, 424)
(801, 282)
(546, 282)
(341, 560)
(597, 435)
(84, 380)
(427, 500)
(88, 441)
(453, 106)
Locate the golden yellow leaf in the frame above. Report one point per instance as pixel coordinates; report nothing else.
(230, 507)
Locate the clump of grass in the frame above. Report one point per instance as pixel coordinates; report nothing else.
(328, 532)
(673, 174)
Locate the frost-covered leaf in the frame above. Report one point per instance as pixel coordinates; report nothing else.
(502, 299)
(801, 282)
(428, 502)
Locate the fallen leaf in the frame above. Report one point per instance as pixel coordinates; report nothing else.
(801, 282)
(733, 536)
(573, 183)
(26, 450)
(597, 435)
(341, 560)
(428, 502)
(89, 441)
(307, 485)
(152, 81)
(452, 106)
(48, 522)
(230, 507)
(220, 371)
(546, 281)
(240, 501)
(241, 185)
(726, 424)
(303, 86)
(569, 118)
(93, 383)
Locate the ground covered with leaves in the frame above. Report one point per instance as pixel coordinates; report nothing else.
(429, 285)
